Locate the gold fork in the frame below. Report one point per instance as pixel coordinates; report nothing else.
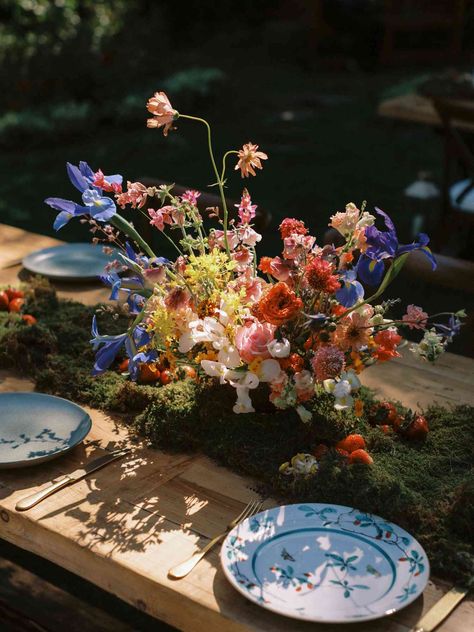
(181, 570)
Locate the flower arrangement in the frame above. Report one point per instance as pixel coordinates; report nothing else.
(303, 322)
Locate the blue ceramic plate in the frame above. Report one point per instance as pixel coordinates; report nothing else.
(325, 563)
(35, 427)
(69, 262)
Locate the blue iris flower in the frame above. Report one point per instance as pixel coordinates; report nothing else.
(384, 245)
(108, 347)
(451, 329)
(98, 206)
(351, 290)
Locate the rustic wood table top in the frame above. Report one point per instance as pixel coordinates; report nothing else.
(415, 108)
(125, 525)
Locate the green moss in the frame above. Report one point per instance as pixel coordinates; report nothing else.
(426, 487)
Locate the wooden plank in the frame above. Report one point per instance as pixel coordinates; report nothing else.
(414, 108)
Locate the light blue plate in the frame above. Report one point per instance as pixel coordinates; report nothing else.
(325, 563)
(69, 262)
(35, 427)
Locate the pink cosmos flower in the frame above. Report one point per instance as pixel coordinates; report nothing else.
(415, 318)
(246, 208)
(191, 196)
(252, 339)
(249, 159)
(163, 113)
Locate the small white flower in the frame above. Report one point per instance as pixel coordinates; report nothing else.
(229, 356)
(366, 219)
(215, 369)
(304, 380)
(279, 348)
(351, 377)
(269, 370)
(304, 414)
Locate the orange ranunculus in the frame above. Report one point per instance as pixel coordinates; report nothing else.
(387, 341)
(265, 265)
(279, 304)
(294, 362)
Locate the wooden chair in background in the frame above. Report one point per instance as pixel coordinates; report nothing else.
(458, 180)
(408, 20)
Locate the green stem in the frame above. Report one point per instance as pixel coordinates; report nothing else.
(220, 183)
(125, 227)
(227, 153)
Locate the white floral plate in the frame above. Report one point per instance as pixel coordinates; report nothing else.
(325, 563)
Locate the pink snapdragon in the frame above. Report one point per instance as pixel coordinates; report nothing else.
(415, 318)
(246, 208)
(191, 196)
(135, 195)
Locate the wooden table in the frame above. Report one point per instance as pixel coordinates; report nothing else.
(125, 525)
(415, 108)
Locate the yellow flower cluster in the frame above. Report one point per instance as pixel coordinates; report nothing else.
(209, 274)
(162, 323)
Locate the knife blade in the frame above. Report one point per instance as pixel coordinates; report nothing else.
(33, 499)
(442, 608)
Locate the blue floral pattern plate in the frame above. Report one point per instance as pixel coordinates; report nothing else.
(69, 261)
(325, 563)
(35, 427)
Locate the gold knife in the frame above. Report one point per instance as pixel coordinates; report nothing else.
(33, 499)
(440, 610)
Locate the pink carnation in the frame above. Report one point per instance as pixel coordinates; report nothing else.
(252, 339)
(415, 318)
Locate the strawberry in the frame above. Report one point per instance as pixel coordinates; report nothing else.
(418, 428)
(351, 443)
(320, 451)
(342, 453)
(12, 293)
(29, 319)
(386, 429)
(16, 304)
(360, 456)
(382, 413)
(4, 301)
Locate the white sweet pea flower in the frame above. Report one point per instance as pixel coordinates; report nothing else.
(366, 219)
(186, 342)
(279, 348)
(304, 414)
(201, 330)
(269, 370)
(244, 379)
(303, 380)
(341, 391)
(351, 377)
(216, 369)
(229, 356)
(243, 403)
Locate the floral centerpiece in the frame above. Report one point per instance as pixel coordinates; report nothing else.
(305, 322)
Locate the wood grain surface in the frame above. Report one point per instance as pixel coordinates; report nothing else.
(125, 525)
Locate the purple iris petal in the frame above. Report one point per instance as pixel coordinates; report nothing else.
(370, 271)
(62, 219)
(107, 354)
(76, 177)
(351, 290)
(100, 207)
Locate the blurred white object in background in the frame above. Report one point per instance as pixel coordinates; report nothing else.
(423, 197)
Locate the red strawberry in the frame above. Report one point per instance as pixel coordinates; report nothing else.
(360, 456)
(383, 413)
(12, 293)
(16, 304)
(29, 319)
(351, 443)
(4, 300)
(343, 453)
(418, 428)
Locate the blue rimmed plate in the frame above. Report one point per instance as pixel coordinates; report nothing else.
(69, 262)
(325, 563)
(35, 427)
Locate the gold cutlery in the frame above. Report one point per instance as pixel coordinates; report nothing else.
(33, 499)
(181, 570)
(440, 610)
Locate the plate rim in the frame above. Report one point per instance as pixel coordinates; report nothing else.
(42, 459)
(370, 617)
(62, 277)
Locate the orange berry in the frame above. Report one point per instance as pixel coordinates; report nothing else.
(166, 377)
(15, 305)
(123, 366)
(29, 319)
(148, 373)
(351, 443)
(186, 371)
(360, 456)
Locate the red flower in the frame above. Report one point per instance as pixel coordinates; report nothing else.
(387, 341)
(290, 226)
(279, 305)
(319, 274)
